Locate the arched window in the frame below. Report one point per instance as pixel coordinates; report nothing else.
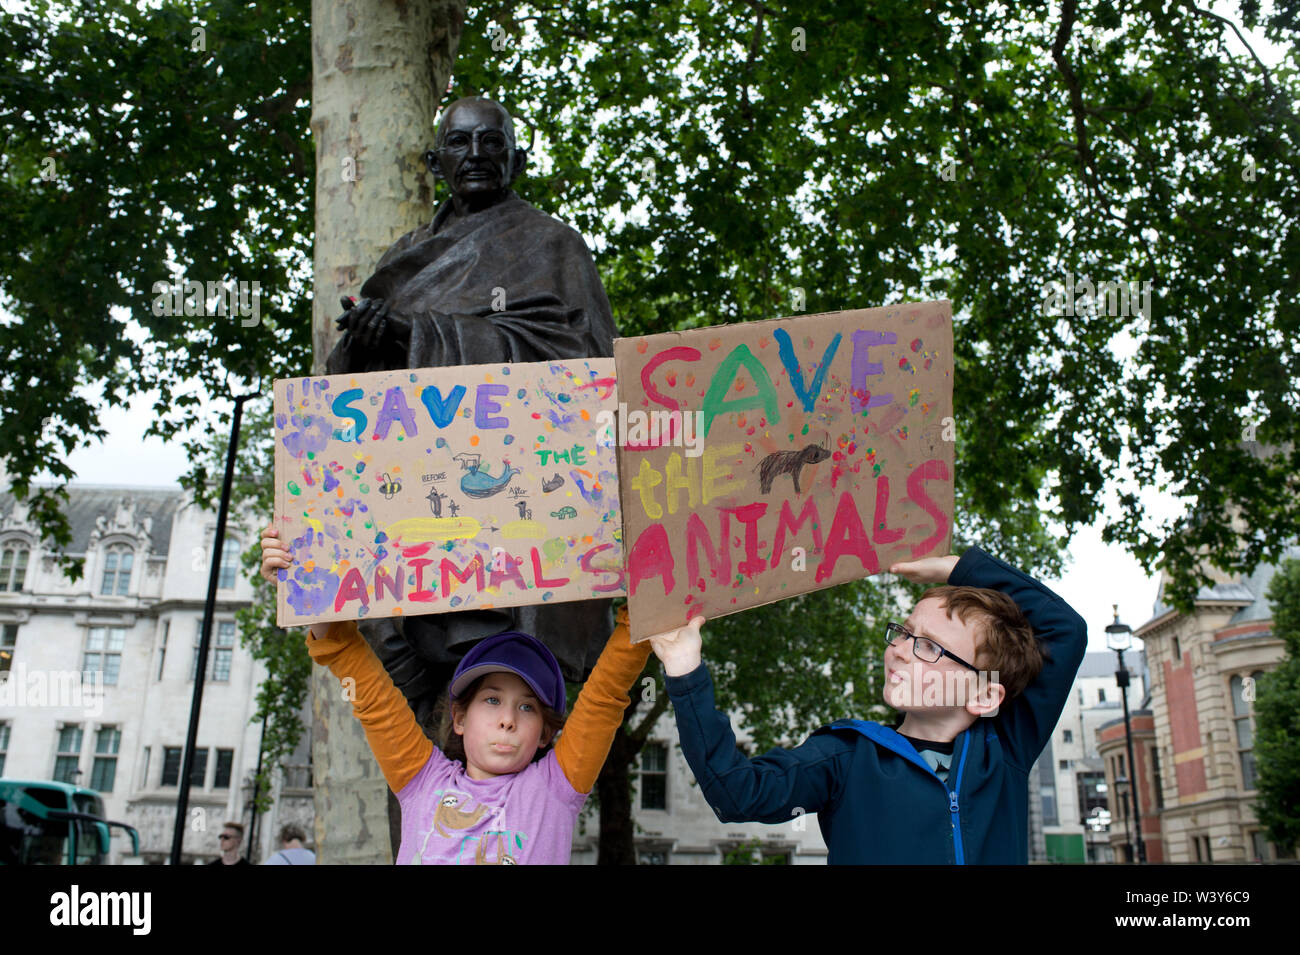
(13, 565)
(1243, 698)
(118, 559)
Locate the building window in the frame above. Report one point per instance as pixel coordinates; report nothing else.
(1155, 779)
(1064, 764)
(1261, 848)
(651, 857)
(162, 648)
(654, 776)
(219, 654)
(1119, 761)
(1101, 694)
(1067, 736)
(8, 640)
(1243, 724)
(13, 566)
(1178, 652)
(1092, 794)
(117, 570)
(225, 763)
(229, 564)
(104, 770)
(104, 653)
(69, 755)
(1202, 846)
(4, 745)
(1081, 696)
(171, 772)
(199, 773)
(144, 769)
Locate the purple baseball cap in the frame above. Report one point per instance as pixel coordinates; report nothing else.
(517, 653)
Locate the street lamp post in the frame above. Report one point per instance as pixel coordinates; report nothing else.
(205, 638)
(1121, 783)
(1119, 639)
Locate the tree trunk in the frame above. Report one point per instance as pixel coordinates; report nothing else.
(379, 70)
(614, 789)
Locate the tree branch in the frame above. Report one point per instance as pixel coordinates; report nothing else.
(1086, 160)
(643, 728)
(1268, 77)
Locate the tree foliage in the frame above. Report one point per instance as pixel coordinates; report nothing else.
(728, 162)
(1277, 717)
(724, 156)
(142, 145)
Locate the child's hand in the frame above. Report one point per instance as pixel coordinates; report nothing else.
(274, 556)
(928, 570)
(679, 650)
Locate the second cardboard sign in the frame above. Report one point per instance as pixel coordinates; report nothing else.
(768, 459)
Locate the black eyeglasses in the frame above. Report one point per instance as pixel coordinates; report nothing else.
(924, 648)
(225, 836)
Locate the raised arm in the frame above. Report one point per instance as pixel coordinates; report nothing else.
(771, 788)
(396, 740)
(1029, 720)
(598, 712)
(399, 745)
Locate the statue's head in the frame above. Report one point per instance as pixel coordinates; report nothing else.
(475, 151)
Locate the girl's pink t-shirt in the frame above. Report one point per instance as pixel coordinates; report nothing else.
(524, 818)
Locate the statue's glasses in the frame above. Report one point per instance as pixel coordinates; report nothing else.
(923, 647)
(490, 142)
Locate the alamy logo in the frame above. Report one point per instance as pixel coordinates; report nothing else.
(56, 688)
(918, 686)
(1081, 297)
(641, 430)
(216, 298)
(102, 908)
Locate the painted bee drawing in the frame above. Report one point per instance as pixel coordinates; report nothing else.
(389, 486)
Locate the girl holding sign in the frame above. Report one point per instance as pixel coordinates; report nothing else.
(494, 791)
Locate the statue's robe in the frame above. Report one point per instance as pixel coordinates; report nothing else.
(507, 284)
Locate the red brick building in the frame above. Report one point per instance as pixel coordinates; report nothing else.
(1113, 749)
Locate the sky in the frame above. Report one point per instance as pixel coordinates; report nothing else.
(1097, 576)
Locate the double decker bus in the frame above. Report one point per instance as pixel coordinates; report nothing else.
(49, 823)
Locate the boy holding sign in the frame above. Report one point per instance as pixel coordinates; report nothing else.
(949, 784)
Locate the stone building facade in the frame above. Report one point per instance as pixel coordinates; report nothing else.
(1203, 668)
(100, 671)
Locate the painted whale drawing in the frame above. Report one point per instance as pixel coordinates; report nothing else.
(480, 483)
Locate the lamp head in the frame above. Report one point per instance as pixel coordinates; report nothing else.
(1119, 636)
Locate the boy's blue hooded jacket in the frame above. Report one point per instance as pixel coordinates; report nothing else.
(878, 801)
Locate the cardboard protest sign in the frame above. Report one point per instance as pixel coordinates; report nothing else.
(769, 459)
(446, 489)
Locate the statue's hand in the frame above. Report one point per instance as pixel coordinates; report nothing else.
(370, 324)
